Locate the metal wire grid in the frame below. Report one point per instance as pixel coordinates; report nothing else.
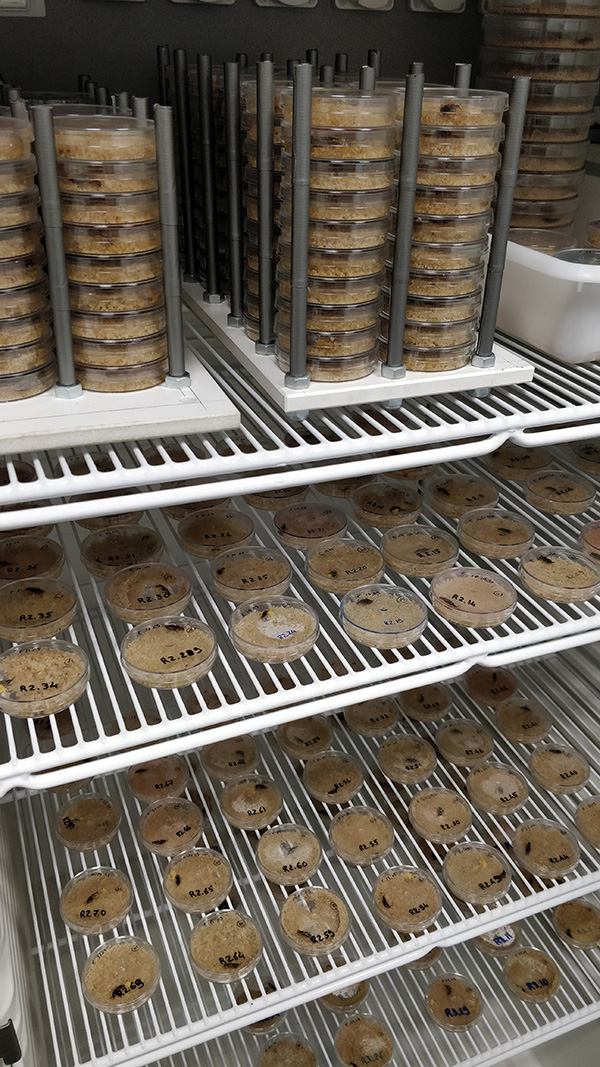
(116, 716)
(187, 1010)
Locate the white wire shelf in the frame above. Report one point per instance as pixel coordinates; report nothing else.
(186, 1010)
(116, 719)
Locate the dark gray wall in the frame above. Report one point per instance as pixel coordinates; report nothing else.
(116, 42)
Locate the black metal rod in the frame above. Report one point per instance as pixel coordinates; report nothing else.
(242, 61)
(102, 95)
(186, 169)
(462, 75)
(162, 61)
(233, 151)
(341, 63)
(165, 160)
(327, 75)
(266, 57)
(312, 57)
(407, 184)
(91, 90)
(266, 278)
(291, 63)
(366, 79)
(416, 68)
(297, 378)
(82, 80)
(374, 60)
(507, 181)
(209, 180)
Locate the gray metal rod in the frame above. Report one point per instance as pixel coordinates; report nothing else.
(209, 181)
(341, 63)
(366, 79)
(242, 61)
(507, 181)
(102, 95)
(57, 269)
(266, 278)
(297, 377)
(312, 57)
(235, 213)
(290, 64)
(82, 80)
(162, 61)
(91, 90)
(374, 60)
(186, 170)
(266, 57)
(416, 68)
(462, 75)
(18, 110)
(327, 75)
(407, 183)
(123, 102)
(165, 159)
(140, 107)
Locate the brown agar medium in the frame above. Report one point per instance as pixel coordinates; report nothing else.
(386, 504)
(471, 596)
(304, 525)
(225, 946)
(242, 573)
(407, 759)
(197, 880)
(304, 738)
(87, 822)
(495, 533)
(476, 873)
(545, 848)
(560, 574)
(164, 777)
(274, 629)
(419, 551)
(366, 1039)
(121, 975)
(577, 923)
(560, 492)
(531, 974)
(332, 777)
(497, 788)
(148, 591)
(487, 685)
(517, 463)
(440, 815)
(373, 718)
(559, 768)
(383, 616)
(35, 608)
(293, 1050)
(251, 802)
(428, 703)
(454, 1002)
(407, 899)
(456, 494)
(104, 552)
(288, 854)
(170, 825)
(29, 556)
(587, 818)
(169, 652)
(361, 835)
(224, 760)
(208, 532)
(314, 921)
(338, 566)
(40, 678)
(96, 900)
(464, 742)
(523, 719)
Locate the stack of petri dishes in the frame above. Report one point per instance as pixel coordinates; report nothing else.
(109, 198)
(351, 175)
(27, 365)
(461, 130)
(557, 44)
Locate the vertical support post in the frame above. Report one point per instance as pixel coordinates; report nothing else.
(462, 75)
(162, 61)
(140, 107)
(374, 60)
(123, 102)
(266, 277)
(297, 376)
(416, 68)
(212, 293)
(82, 80)
(326, 76)
(233, 150)
(312, 57)
(177, 376)
(102, 96)
(186, 170)
(18, 109)
(366, 79)
(242, 61)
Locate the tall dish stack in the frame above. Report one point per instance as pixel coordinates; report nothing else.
(109, 198)
(351, 174)
(461, 130)
(557, 44)
(27, 364)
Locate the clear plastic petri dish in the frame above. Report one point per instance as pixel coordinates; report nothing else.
(104, 552)
(426, 961)
(345, 106)
(520, 32)
(23, 359)
(109, 208)
(304, 525)
(303, 738)
(464, 742)
(262, 1026)
(458, 107)
(577, 923)
(593, 236)
(225, 946)
(148, 591)
(587, 819)
(120, 975)
(338, 566)
(342, 488)
(251, 802)
(332, 777)
(531, 974)
(274, 629)
(42, 677)
(517, 463)
(335, 291)
(434, 359)
(361, 835)
(107, 176)
(407, 759)
(495, 533)
(586, 454)
(87, 822)
(499, 942)
(272, 499)
(104, 137)
(288, 1048)
(419, 551)
(440, 815)
(197, 880)
(559, 768)
(560, 574)
(546, 241)
(383, 616)
(471, 596)
(170, 825)
(589, 541)
(28, 556)
(35, 608)
(30, 383)
(497, 788)
(561, 65)
(428, 703)
(17, 175)
(346, 999)
(343, 176)
(241, 573)
(454, 1002)
(476, 873)
(169, 652)
(560, 492)
(208, 532)
(365, 1038)
(288, 854)
(539, 214)
(314, 921)
(545, 848)
(96, 900)
(333, 368)
(373, 718)
(456, 494)
(167, 776)
(114, 269)
(227, 759)
(487, 685)
(523, 719)
(407, 899)
(386, 504)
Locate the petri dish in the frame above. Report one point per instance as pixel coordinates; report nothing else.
(407, 899)
(476, 873)
(242, 573)
(383, 616)
(104, 552)
(274, 629)
(472, 596)
(364, 1038)
(373, 718)
(305, 737)
(456, 494)
(96, 900)
(423, 962)
(587, 819)
(517, 463)
(577, 923)
(440, 815)
(332, 777)
(559, 492)
(148, 591)
(40, 678)
(386, 504)
(251, 802)
(361, 835)
(120, 975)
(224, 760)
(262, 1026)
(342, 488)
(197, 880)
(345, 999)
(341, 565)
(87, 822)
(454, 1002)
(288, 854)
(523, 719)
(288, 1048)
(427, 703)
(589, 541)
(586, 455)
(225, 946)
(170, 825)
(314, 921)
(497, 788)
(464, 742)
(545, 848)
(303, 525)
(407, 759)
(531, 974)
(495, 533)
(164, 777)
(559, 768)
(207, 532)
(487, 685)
(35, 608)
(168, 653)
(419, 551)
(499, 942)
(272, 499)
(28, 556)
